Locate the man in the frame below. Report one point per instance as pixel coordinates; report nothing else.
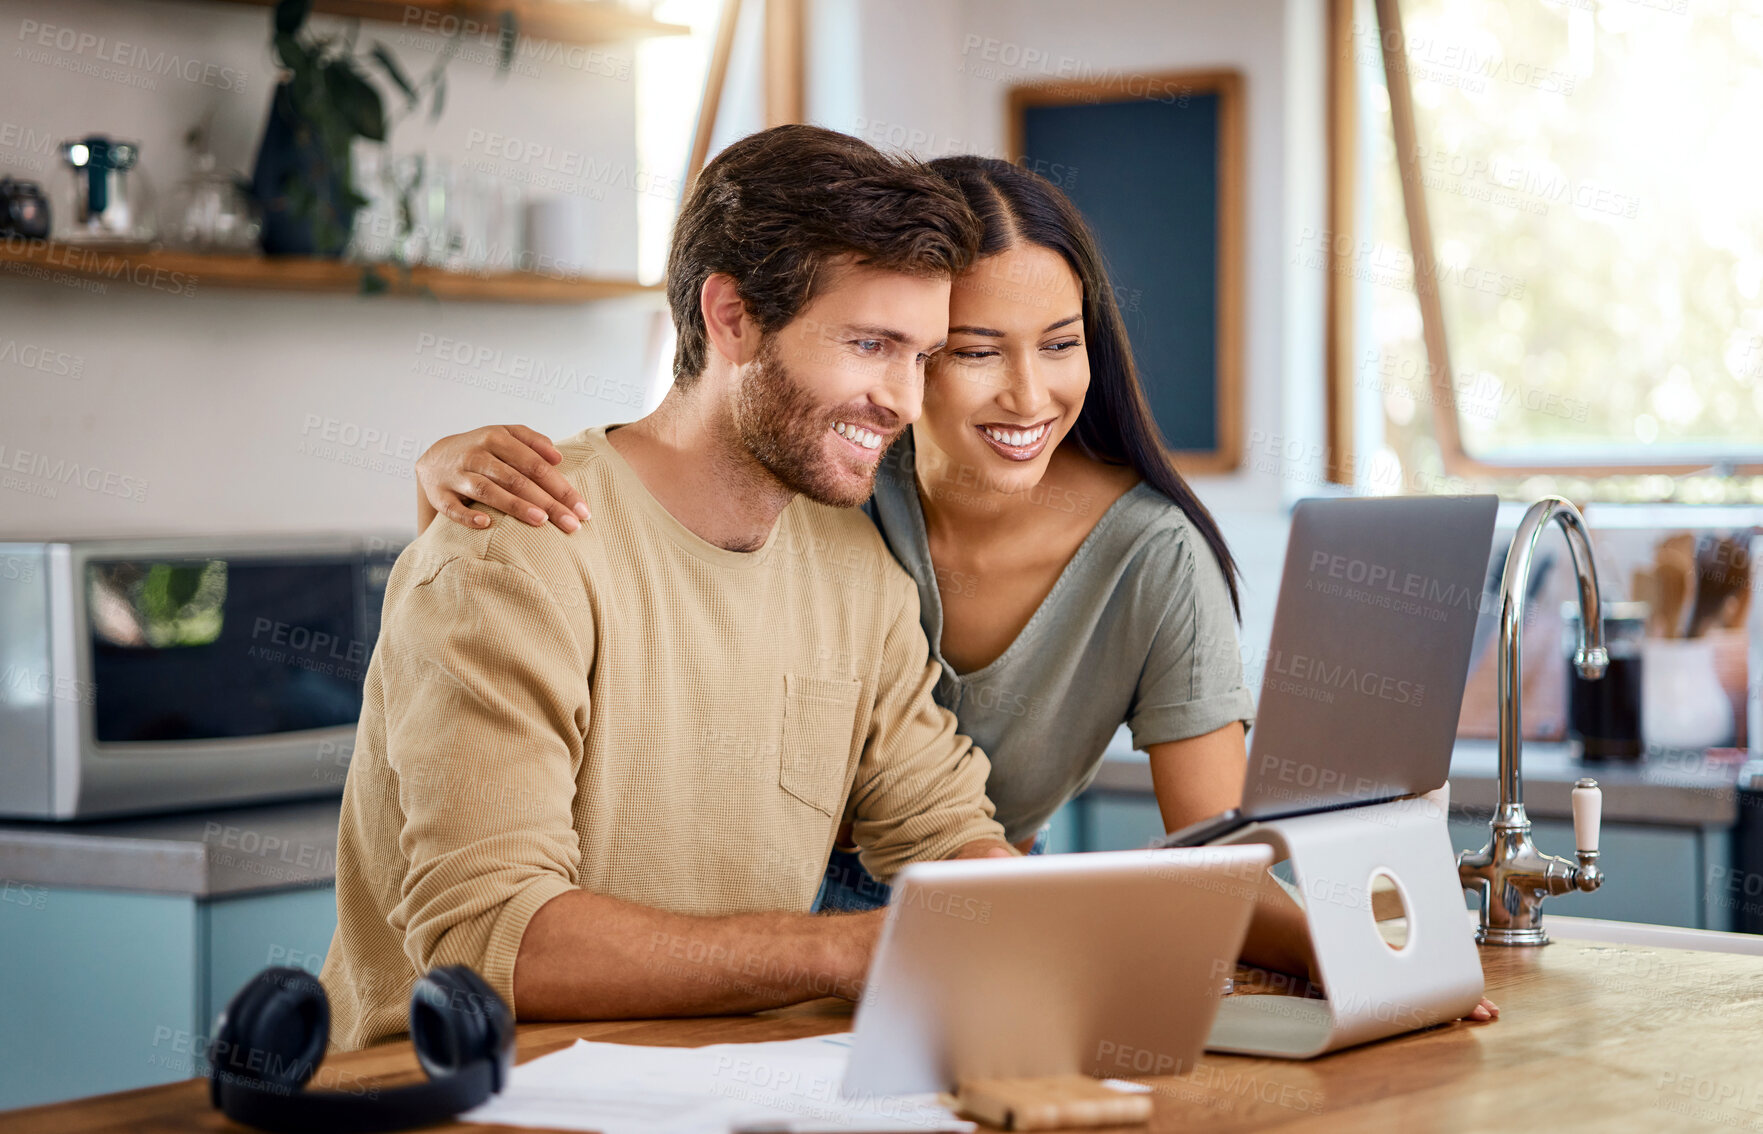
(605, 768)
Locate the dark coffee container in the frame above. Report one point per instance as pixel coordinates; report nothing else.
(1604, 716)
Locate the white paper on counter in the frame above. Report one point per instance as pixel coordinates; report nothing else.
(786, 1086)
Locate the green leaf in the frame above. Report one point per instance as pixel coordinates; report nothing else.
(355, 100)
(292, 54)
(389, 65)
(290, 15)
(306, 94)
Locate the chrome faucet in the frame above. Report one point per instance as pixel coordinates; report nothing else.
(1510, 874)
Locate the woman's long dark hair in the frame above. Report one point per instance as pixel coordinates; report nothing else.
(1116, 426)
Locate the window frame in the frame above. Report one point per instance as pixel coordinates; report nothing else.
(1230, 271)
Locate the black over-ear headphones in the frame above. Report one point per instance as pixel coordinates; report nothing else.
(269, 1042)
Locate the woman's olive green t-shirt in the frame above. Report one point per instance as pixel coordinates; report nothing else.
(1138, 629)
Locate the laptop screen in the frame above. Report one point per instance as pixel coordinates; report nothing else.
(1362, 680)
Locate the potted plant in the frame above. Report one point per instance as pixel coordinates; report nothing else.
(303, 179)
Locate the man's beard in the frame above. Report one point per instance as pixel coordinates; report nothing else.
(785, 429)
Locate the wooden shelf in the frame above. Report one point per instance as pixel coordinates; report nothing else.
(564, 21)
(186, 273)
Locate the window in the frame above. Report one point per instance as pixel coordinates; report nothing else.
(1582, 200)
(666, 111)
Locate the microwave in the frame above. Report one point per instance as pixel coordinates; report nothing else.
(141, 675)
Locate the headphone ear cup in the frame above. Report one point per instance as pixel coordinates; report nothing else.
(273, 1031)
(456, 1018)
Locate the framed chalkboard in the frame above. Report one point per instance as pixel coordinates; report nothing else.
(1155, 164)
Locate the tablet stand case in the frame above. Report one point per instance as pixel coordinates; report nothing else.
(1373, 990)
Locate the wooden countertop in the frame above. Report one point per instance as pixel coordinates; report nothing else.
(1592, 1037)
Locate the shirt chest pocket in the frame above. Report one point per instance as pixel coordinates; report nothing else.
(819, 716)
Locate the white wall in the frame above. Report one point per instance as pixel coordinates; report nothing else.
(211, 400)
(933, 77)
(242, 411)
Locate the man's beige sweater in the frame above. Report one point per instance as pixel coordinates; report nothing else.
(632, 710)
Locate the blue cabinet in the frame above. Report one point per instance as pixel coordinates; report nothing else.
(1118, 821)
(99, 990)
(1655, 874)
(107, 991)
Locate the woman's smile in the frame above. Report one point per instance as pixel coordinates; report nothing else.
(1018, 443)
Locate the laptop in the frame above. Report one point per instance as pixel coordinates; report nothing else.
(1107, 964)
(1364, 672)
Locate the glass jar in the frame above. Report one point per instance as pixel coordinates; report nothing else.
(106, 199)
(211, 212)
(373, 238)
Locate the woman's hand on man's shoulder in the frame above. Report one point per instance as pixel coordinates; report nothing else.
(509, 468)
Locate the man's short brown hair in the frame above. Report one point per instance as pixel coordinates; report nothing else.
(774, 207)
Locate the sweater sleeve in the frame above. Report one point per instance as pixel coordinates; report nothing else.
(486, 708)
(920, 791)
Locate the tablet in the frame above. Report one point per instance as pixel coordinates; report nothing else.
(1108, 964)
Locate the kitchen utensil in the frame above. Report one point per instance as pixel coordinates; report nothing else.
(1723, 582)
(1675, 567)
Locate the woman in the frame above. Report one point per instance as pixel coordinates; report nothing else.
(1070, 580)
